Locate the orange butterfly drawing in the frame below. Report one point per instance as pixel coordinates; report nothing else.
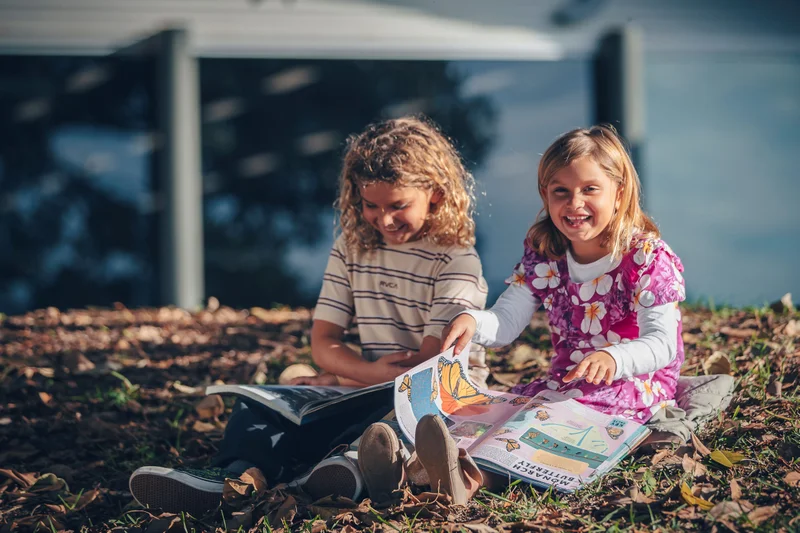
(503, 431)
(614, 433)
(405, 386)
(511, 444)
(458, 395)
(519, 400)
(542, 415)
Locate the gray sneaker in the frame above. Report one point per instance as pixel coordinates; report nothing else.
(195, 491)
(337, 475)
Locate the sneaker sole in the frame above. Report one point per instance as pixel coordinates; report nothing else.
(174, 495)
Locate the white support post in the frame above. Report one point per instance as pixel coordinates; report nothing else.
(181, 264)
(619, 87)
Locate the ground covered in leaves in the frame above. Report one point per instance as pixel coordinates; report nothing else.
(87, 396)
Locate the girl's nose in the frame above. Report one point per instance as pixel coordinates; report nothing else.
(387, 220)
(576, 202)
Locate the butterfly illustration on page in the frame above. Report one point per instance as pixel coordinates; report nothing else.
(458, 395)
(519, 400)
(614, 432)
(503, 431)
(542, 415)
(511, 444)
(405, 386)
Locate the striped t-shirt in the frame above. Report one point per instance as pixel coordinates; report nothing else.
(399, 294)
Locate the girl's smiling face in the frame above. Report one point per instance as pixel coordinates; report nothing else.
(581, 200)
(398, 213)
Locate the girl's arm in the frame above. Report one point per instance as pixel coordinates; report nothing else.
(504, 321)
(656, 346)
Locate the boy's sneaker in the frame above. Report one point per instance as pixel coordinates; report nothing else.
(334, 476)
(195, 491)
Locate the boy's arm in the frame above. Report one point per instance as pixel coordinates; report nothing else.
(430, 347)
(335, 357)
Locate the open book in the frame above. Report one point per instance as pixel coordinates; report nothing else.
(302, 403)
(546, 440)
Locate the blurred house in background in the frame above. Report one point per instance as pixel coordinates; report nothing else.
(161, 151)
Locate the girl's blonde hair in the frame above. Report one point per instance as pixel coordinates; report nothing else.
(605, 147)
(406, 152)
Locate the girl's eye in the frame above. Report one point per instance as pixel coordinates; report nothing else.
(592, 188)
(399, 207)
(559, 190)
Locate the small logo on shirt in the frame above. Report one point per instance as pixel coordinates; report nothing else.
(387, 284)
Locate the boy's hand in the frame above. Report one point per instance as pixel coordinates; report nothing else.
(389, 367)
(324, 380)
(460, 330)
(595, 368)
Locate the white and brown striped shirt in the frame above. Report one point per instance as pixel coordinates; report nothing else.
(400, 294)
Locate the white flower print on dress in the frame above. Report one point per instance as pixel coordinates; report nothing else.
(601, 341)
(548, 302)
(518, 277)
(645, 388)
(546, 275)
(593, 314)
(599, 285)
(644, 252)
(642, 297)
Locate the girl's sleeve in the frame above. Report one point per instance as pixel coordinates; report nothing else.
(503, 323)
(656, 346)
(458, 286)
(654, 275)
(335, 302)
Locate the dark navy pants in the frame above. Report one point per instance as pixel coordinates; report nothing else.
(283, 450)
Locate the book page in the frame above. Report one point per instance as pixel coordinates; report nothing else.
(441, 386)
(556, 441)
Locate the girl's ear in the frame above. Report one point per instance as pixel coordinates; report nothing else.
(619, 198)
(436, 197)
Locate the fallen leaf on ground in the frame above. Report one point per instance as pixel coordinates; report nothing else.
(717, 363)
(699, 446)
(762, 513)
(690, 466)
(736, 333)
(792, 479)
(203, 427)
(691, 499)
(727, 458)
(210, 407)
(728, 509)
(736, 490)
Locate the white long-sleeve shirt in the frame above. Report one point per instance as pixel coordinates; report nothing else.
(654, 349)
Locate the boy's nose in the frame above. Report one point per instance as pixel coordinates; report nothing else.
(387, 220)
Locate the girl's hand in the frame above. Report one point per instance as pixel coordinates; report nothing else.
(595, 368)
(324, 380)
(460, 330)
(388, 367)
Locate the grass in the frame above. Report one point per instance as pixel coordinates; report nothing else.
(134, 415)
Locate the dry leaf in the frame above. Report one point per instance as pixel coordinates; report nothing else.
(735, 333)
(203, 427)
(46, 398)
(210, 407)
(78, 363)
(691, 499)
(660, 456)
(256, 478)
(792, 479)
(690, 466)
(727, 510)
(736, 490)
(699, 446)
(726, 458)
(717, 363)
(185, 389)
(762, 513)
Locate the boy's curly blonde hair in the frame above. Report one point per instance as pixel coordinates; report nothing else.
(406, 152)
(605, 147)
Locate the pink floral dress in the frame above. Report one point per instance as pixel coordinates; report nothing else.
(586, 317)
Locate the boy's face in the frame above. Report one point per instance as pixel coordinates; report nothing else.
(398, 213)
(581, 200)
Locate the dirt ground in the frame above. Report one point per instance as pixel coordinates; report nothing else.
(87, 396)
